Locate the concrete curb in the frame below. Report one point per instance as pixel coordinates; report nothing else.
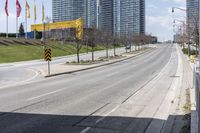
(101, 65)
(194, 115)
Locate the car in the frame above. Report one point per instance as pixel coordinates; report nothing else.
(128, 47)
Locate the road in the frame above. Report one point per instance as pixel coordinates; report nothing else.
(133, 96)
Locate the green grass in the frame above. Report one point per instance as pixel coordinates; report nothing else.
(15, 53)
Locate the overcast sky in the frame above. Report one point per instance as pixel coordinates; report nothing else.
(159, 18)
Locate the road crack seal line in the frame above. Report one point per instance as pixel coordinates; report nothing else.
(76, 124)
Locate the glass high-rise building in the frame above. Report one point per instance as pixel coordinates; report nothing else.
(132, 18)
(122, 16)
(64, 10)
(114, 16)
(106, 15)
(192, 16)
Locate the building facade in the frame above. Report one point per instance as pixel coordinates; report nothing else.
(64, 10)
(122, 16)
(106, 15)
(192, 16)
(114, 16)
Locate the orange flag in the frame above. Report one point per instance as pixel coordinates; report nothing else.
(35, 15)
(27, 10)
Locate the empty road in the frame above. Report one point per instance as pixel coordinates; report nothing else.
(132, 96)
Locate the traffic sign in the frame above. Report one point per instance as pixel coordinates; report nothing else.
(48, 54)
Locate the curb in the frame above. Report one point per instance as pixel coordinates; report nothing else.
(101, 65)
(194, 114)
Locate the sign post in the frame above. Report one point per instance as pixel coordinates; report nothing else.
(48, 58)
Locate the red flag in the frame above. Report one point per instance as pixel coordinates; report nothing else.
(6, 8)
(18, 7)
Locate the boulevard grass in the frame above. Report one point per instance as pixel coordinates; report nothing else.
(15, 53)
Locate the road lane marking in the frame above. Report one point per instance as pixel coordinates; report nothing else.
(85, 130)
(46, 94)
(100, 119)
(23, 81)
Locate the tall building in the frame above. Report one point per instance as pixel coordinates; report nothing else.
(142, 16)
(132, 16)
(91, 13)
(192, 16)
(64, 10)
(106, 15)
(122, 16)
(114, 16)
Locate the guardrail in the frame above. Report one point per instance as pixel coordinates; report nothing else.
(195, 116)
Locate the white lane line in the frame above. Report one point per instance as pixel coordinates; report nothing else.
(21, 82)
(46, 94)
(107, 114)
(85, 130)
(99, 120)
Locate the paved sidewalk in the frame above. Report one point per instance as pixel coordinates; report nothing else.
(180, 111)
(62, 68)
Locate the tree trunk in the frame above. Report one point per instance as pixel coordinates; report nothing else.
(114, 48)
(92, 53)
(87, 47)
(106, 50)
(189, 50)
(78, 57)
(78, 51)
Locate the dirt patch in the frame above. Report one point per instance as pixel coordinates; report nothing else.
(99, 60)
(187, 116)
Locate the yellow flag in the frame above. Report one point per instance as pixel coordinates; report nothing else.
(27, 10)
(42, 10)
(35, 15)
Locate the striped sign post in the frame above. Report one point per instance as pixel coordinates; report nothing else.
(48, 58)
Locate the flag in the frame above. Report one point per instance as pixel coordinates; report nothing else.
(6, 8)
(18, 7)
(42, 10)
(27, 10)
(35, 15)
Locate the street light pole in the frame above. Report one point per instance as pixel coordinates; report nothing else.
(199, 37)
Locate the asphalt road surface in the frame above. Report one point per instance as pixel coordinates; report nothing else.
(126, 97)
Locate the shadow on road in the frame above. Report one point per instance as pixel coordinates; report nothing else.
(44, 123)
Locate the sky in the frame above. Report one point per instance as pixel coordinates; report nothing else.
(159, 17)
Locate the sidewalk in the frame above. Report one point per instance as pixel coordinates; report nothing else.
(179, 120)
(62, 68)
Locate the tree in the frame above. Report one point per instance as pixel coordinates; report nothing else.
(21, 30)
(91, 37)
(78, 48)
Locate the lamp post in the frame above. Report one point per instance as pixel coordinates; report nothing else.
(181, 9)
(183, 22)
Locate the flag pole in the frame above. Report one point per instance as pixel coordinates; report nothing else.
(7, 26)
(16, 24)
(26, 20)
(43, 19)
(34, 20)
(34, 30)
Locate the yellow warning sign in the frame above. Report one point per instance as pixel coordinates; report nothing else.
(48, 54)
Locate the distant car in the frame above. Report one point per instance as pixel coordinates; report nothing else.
(128, 47)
